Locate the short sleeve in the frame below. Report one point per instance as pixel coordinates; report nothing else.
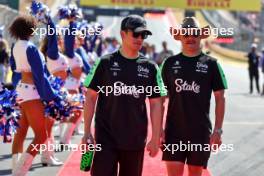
(158, 88)
(163, 73)
(94, 79)
(219, 80)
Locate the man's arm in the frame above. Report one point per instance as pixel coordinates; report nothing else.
(156, 122)
(219, 117)
(164, 110)
(156, 117)
(89, 106)
(219, 108)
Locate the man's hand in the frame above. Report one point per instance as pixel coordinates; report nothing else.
(89, 105)
(153, 147)
(88, 139)
(156, 121)
(215, 140)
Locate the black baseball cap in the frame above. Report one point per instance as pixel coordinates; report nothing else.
(135, 23)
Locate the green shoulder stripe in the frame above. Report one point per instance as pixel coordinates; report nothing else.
(90, 76)
(161, 66)
(222, 75)
(163, 91)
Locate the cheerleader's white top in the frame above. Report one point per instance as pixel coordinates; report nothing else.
(74, 60)
(29, 59)
(72, 83)
(55, 60)
(60, 64)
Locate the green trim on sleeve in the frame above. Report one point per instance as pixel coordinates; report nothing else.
(222, 75)
(90, 76)
(160, 83)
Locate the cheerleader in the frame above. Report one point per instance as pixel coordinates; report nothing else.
(96, 41)
(57, 65)
(73, 81)
(16, 77)
(81, 51)
(32, 89)
(80, 41)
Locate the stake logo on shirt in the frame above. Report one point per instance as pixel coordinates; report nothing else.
(143, 72)
(122, 88)
(200, 67)
(185, 86)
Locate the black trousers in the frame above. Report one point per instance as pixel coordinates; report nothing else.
(254, 74)
(105, 162)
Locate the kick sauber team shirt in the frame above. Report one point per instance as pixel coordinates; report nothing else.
(123, 85)
(190, 82)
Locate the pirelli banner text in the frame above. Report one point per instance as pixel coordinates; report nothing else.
(237, 5)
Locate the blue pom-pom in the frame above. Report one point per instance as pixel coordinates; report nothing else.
(8, 113)
(60, 108)
(56, 83)
(64, 12)
(40, 11)
(71, 11)
(35, 7)
(75, 11)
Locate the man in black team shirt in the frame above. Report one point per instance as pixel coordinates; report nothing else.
(121, 124)
(190, 77)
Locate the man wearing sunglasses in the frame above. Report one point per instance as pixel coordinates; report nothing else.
(191, 77)
(116, 82)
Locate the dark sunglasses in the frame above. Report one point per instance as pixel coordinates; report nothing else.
(193, 35)
(143, 35)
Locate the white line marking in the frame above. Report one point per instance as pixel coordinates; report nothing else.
(243, 123)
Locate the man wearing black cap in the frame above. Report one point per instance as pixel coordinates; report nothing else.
(116, 80)
(191, 77)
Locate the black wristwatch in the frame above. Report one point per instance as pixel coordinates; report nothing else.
(219, 131)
